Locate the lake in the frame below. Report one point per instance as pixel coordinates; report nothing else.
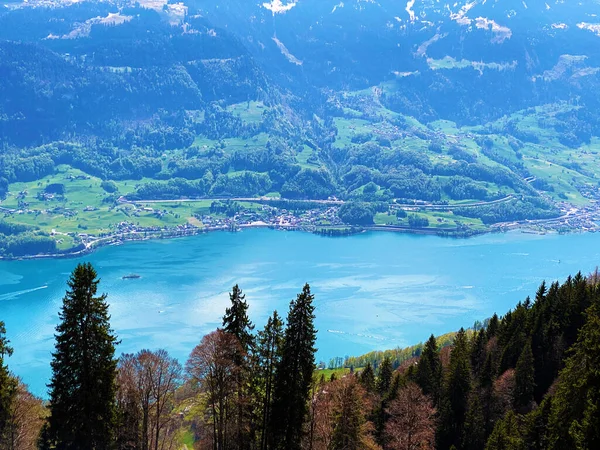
(373, 291)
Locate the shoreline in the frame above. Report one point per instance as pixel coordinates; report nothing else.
(141, 236)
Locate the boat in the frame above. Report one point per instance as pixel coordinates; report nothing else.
(132, 276)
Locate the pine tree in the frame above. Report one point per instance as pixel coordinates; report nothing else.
(478, 352)
(294, 374)
(575, 414)
(236, 320)
(8, 385)
(536, 426)
(492, 328)
(237, 323)
(429, 370)
(83, 388)
(457, 387)
(385, 376)
(547, 338)
(386, 393)
(524, 380)
(349, 422)
(474, 433)
(507, 434)
(268, 352)
(367, 378)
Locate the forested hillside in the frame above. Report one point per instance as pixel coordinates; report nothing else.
(525, 380)
(452, 119)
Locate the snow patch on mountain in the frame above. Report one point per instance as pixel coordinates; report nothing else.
(501, 33)
(339, 5)
(83, 29)
(593, 27)
(461, 16)
(277, 7)
(409, 10)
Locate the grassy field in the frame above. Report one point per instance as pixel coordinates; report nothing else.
(328, 372)
(187, 439)
(437, 220)
(303, 156)
(83, 208)
(250, 112)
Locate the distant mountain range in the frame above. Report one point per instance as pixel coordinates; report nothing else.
(467, 61)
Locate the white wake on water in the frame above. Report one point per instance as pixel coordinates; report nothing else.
(12, 295)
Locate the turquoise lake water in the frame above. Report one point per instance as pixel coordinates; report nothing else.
(373, 291)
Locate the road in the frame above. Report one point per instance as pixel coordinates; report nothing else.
(433, 206)
(123, 199)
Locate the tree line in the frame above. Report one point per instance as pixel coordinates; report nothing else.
(527, 380)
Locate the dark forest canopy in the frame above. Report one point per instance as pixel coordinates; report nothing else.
(526, 380)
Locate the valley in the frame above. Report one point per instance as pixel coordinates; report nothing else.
(437, 161)
(448, 128)
(549, 187)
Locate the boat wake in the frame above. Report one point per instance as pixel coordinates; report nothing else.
(12, 295)
(369, 336)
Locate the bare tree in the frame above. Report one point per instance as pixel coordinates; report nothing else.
(321, 416)
(594, 277)
(25, 420)
(149, 380)
(129, 404)
(503, 394)
(411, 425)
(212, 365)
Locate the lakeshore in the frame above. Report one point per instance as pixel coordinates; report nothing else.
(81, 224)
(89, 246)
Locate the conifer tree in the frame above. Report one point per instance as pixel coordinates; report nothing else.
(237, 323)
(492, 328)
(294, 374)
(524, 380)
(268, 352)
(429, 370)
(457, 387)
(236, 320)
(350, 429)
(478, 352)
(575, 414)
(83, 388)
(474, 432)
(384, 379)
(536, 426)
(367, 378)
(507, 434)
